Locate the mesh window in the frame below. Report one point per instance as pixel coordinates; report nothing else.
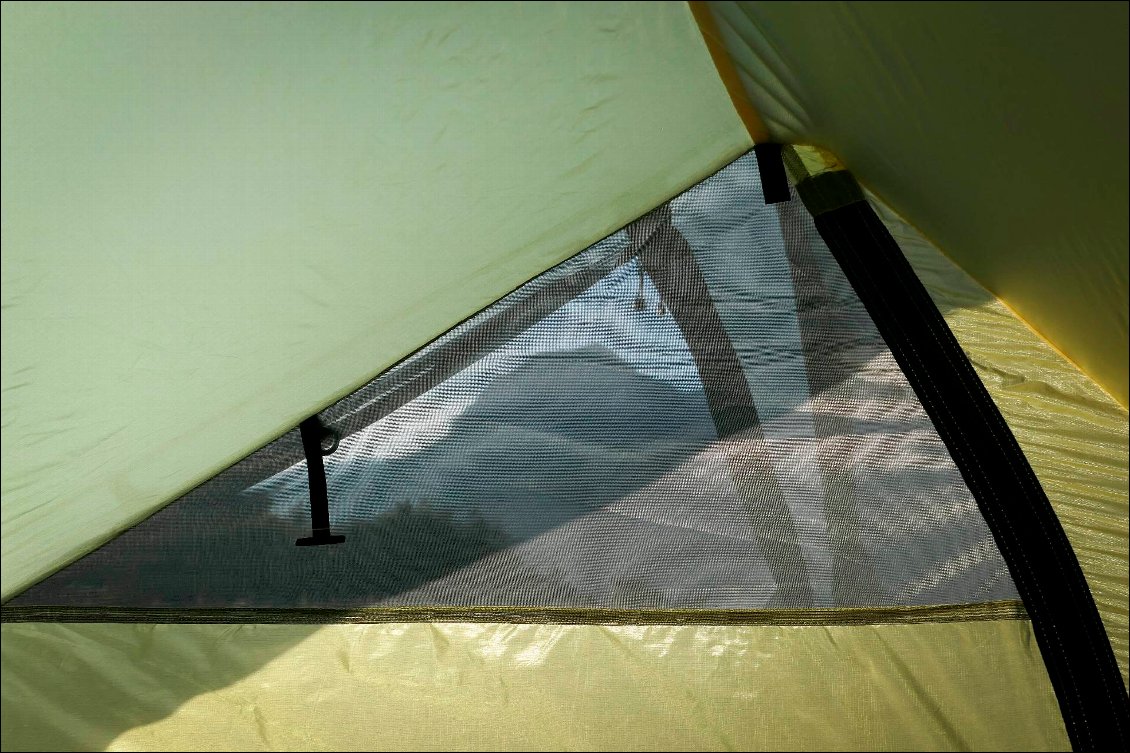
(696, 412)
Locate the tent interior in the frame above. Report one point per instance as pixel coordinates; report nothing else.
(679, 375)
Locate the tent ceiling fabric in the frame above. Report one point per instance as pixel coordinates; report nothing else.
(999, 129)
(219, 218)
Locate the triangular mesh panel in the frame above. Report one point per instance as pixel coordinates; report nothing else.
(696, 412)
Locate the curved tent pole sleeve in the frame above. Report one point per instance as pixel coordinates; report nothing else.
(1065, 620)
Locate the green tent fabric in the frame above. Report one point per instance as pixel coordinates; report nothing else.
(625, 449)
(206, 211)
(996, 131)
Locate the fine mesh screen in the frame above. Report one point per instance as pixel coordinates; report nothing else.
(696, 412)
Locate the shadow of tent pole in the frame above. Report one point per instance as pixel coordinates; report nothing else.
(666, 257)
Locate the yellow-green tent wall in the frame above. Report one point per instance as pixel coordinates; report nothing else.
(998, 129)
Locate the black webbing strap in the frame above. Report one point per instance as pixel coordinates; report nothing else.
(1075, 647)
(774, 181)
(313, 436)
